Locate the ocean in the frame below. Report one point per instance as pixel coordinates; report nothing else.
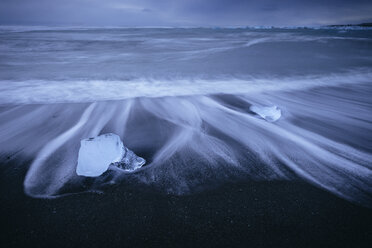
(182, 99)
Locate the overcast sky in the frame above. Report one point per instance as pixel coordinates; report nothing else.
(184, 12)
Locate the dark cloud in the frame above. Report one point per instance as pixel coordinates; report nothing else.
(184, 12)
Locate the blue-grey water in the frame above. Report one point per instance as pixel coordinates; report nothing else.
(181, 98)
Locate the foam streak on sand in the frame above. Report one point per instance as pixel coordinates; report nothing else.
(37, 167)
(193, 142)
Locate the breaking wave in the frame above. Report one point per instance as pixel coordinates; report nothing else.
(42, 91)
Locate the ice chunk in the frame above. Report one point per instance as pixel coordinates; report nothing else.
(98, 153)
(270, 114)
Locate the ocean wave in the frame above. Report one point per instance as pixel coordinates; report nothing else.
(45, 91)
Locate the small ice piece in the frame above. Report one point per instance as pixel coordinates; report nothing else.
(98, 153)
(130, 161)
(270, 114)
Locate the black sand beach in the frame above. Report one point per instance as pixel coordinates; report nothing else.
(244, 214)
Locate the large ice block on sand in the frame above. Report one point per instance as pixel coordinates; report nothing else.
(98, 153)
(270, 114)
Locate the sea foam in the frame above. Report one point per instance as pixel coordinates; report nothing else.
(39, 91)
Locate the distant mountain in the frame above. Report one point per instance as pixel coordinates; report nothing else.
(369, 24)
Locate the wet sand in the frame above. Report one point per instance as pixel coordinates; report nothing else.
(243, 214)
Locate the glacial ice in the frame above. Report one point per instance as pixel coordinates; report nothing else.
(270, 114)
(98, 153)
